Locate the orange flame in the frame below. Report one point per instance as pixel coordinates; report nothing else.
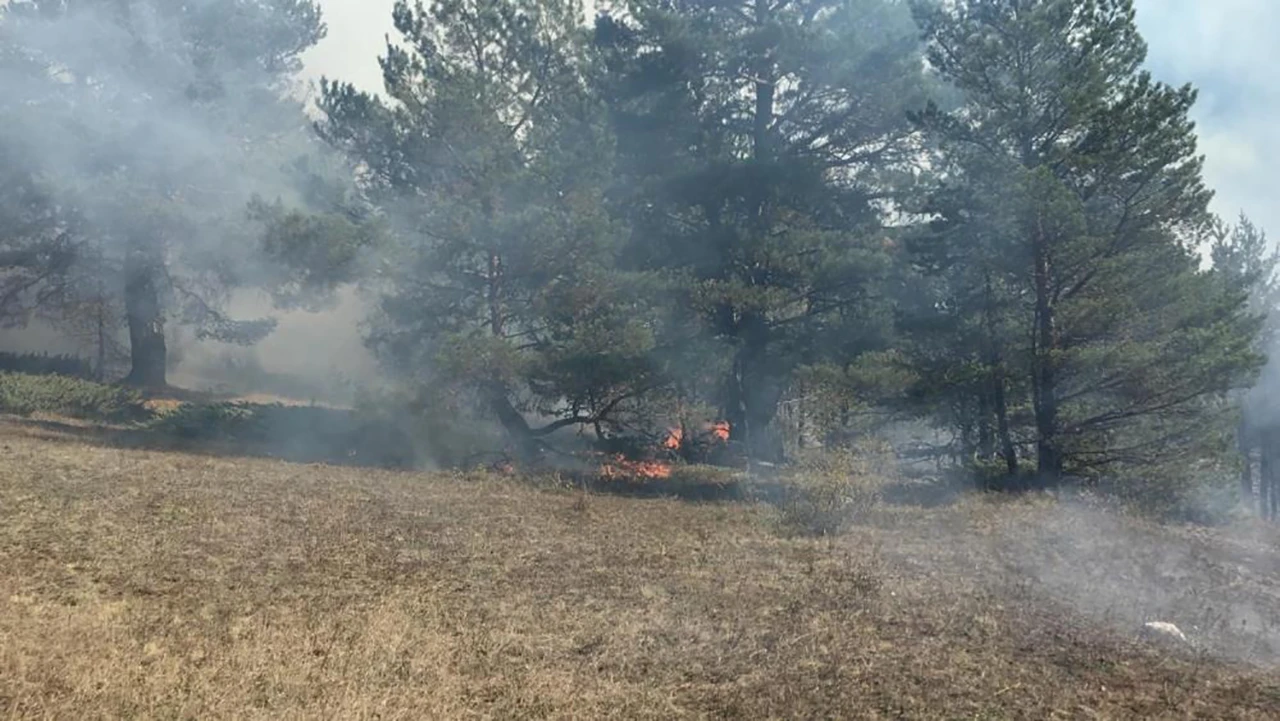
(675, 437)
(622, 468)
(721, 430)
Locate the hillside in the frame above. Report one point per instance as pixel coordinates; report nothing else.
(142, 584)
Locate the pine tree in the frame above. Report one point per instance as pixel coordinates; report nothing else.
(1073, 182)
(491, 156)
(1243, 259)
(760, 141)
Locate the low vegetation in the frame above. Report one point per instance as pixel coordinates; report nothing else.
(46, 364)
(827, 491)
(23, 394)
(200, 422)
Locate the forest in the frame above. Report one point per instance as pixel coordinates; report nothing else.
(722, 230)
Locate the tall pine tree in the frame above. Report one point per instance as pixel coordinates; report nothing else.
(761, 141)
(492, 156)
(1073, 188)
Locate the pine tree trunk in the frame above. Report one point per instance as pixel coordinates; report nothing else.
(100, 308)
(497, 394)
(1267, 484)
(759, 391)
(753, 393)
(100, 368)
(516, 427)
(148, 353)
(998, 396)
(986, 439)
(1244, 445)
(1007, 449)
(1045, 377)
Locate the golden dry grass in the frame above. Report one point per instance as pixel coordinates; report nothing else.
(138, 584)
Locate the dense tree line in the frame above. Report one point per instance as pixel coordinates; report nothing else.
(783, 214)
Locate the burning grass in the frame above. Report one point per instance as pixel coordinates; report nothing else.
(138, 584)
(622, 467)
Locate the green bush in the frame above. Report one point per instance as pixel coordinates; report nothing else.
(825, 491)
(42, 364)
(24, 394)
(211, 421)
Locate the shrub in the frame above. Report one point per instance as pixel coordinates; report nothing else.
(211, 421)
(42, 364)
(24, 394)
(827, 490)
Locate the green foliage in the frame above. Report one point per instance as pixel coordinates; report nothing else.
(496, 159)
(45, 364)
(844, 401)
(23, 394)
(1066, 316)
(1243, 258)
(754, 139)
(827, 490)
(222, 421)
(319, 241)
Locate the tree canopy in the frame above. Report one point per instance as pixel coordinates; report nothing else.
(779, 216)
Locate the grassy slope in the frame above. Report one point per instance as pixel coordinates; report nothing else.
(161, 585)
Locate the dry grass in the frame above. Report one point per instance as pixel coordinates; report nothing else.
(139, 584)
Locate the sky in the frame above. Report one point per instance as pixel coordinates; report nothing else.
(1223, 47)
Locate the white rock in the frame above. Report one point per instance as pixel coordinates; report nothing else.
(1162, 630)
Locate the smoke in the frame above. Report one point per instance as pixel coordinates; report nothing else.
(1215, 585)
(317, 357)
(134, 114)
(151, 125)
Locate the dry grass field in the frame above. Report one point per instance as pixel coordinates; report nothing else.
(146, 584)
